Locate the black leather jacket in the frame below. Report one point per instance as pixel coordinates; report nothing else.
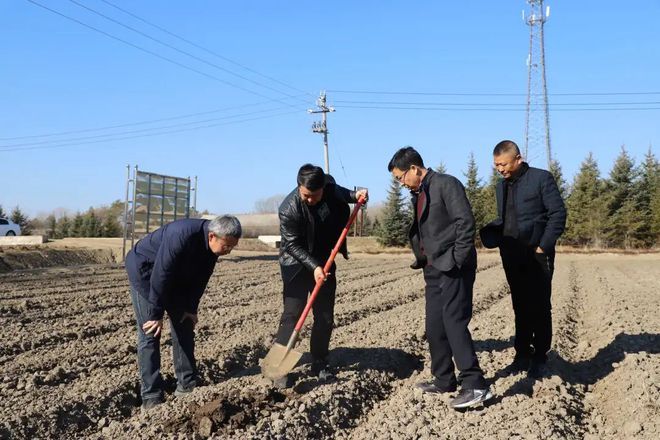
(297, 228)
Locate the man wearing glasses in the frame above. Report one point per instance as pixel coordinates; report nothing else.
(168, 271)
(442, 239)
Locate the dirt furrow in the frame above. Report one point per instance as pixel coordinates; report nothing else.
(76, 374)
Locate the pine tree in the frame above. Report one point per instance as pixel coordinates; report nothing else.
(646, 194)
(474, 192)
(655, 212)
(587, 211)
(91, 226)
(489, 198)
(21, 220)
(51, 225)
(395, 219)
(375, 228)
(555, 170)
(63, 227)
(624, 223)
(76, 229)
(367, 225)
(110, 227)
(441, 168)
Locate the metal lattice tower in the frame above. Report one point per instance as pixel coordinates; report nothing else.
(537, 120)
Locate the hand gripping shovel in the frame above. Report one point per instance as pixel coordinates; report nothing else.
(280, 360)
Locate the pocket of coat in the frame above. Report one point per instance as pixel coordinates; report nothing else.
(145, 267)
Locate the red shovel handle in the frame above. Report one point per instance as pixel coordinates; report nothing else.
(328, 264)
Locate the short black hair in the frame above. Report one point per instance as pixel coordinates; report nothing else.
(506, 147)
(404, 159)
(311, 177)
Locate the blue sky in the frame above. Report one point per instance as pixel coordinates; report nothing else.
(59, 76)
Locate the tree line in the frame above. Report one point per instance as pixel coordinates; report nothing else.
(103, 221)
(621, 210)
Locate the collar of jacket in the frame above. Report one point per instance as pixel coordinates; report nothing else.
(423, 186)
(424, 183)
(521, 172)
(205, 230)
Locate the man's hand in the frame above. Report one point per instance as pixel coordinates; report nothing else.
(539, 250)
(154, 327)
(319, 274)
(191, 316)
(362, 193)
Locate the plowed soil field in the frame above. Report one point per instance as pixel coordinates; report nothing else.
(68, 365)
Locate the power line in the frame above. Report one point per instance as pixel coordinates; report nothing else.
(205, 49)
(169, 60)
(257, 83)
(141, 130)
(382, 92)
(145, 135)
(453, 109)
(494, 103)
(132, 124)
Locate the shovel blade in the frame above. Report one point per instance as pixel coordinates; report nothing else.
(279, 361)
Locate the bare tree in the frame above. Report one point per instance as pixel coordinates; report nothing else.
(269, 205)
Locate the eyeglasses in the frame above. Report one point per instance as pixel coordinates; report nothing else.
(402, 176)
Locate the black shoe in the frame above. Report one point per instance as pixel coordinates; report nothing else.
(467, 398)
(148, 404)
(537, 369)
(321, 369)
(282, 382)
(431, 387)
(326, 374)
(519, 364)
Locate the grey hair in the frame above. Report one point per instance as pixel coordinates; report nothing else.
(226, 226)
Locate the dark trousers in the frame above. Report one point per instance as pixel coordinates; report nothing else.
(295, 295)
(448, 313)
(530, 280)
(148, 349)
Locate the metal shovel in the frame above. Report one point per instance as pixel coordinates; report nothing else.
(281, 359)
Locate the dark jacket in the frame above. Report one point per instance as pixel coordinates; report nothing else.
(540, 211)
(171, 266)
(446, 227)
(297, 228)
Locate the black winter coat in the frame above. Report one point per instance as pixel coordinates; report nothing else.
(540, 211)
(297, 228)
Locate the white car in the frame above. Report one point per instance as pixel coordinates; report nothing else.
(9, 228)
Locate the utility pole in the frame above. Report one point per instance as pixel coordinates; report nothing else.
(537, 119)
(322, 127)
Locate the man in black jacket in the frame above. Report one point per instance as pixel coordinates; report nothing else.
(168, 270)
(312, 218)
(531, 217)
(442, 239)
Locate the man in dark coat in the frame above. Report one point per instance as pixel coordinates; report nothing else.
(442, 239)
(531, 217)
(168, 270)
(312, 218)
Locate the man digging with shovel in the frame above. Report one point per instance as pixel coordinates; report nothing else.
(312, 219)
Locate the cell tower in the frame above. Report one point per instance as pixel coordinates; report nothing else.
(537, 120)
